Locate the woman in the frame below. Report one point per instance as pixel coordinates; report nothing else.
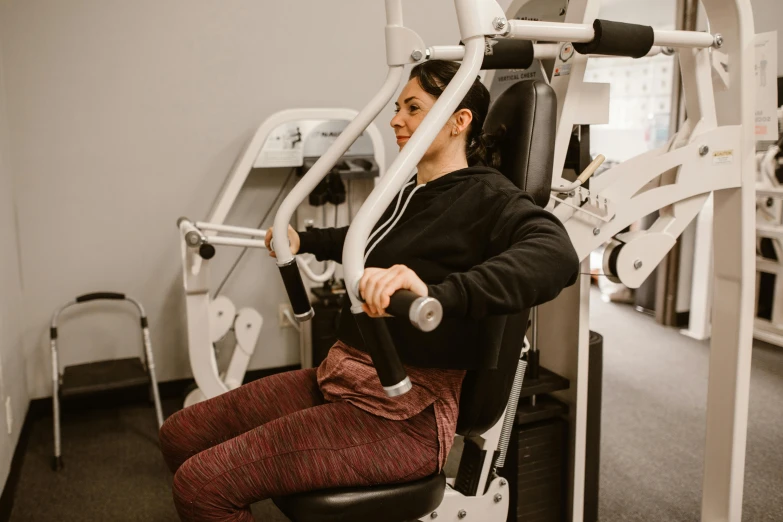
(460, 232)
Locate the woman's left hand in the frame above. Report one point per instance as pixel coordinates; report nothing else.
(378, 284)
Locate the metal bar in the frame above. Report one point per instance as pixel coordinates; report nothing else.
(696, 39)
(253, 232)
(550, 31)
(393, 12)
(563, 32)
(446, 52)
(546, 51)
(234, 241)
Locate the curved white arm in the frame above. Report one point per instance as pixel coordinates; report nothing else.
(308, 183)
(399, 171)
(304, 266)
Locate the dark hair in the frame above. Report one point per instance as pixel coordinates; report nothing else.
(481, 148)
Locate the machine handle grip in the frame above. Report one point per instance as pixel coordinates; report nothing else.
(424, 313)
(297, 294)
(384, 355)
(509, 54)
(100, 295)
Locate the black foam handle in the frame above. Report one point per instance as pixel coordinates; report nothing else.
(401, 302)
(380, 346)
(506, 53)
(100, 295)
(618, 39)
(292, 279)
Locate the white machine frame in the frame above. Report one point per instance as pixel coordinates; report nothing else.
(712, 154)
(210, 319)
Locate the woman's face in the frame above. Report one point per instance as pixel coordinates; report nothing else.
(411, 107)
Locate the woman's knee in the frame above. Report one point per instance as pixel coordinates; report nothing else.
(197, 496)
(171, 441)
(184, 488)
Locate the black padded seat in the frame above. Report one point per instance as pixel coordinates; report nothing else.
(392, 503)
(528, 111)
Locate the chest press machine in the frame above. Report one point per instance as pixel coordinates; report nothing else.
(713, 153)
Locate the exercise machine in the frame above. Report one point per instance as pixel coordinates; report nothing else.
(712, 154)
(293, 138)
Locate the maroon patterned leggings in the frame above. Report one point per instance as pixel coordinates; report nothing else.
(277, 436)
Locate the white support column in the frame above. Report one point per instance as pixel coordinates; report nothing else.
(734, 265)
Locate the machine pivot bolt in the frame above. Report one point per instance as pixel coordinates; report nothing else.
(637, 264)
(434, 514)
(718, 40)
(596, 231)
(498, 498)
(502, 482)
(499, 23)
(417, 55)
(703, 150)
(462, 514)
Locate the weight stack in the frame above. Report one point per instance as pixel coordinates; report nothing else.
(537, 471)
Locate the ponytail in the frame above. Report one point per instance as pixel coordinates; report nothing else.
(484, 149)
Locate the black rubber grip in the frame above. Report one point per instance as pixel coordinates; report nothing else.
(508, 54)
(292, 279)
(618, 39)
(380, 345)
(206, 251)
(401, 302)
(144, 323)
(52, 333)
(100, 295)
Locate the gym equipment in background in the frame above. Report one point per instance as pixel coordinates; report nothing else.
(295, 138)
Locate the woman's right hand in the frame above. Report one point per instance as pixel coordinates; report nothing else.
(293, 240)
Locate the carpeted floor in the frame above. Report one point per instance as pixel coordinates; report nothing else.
(653, 418)
(652, 448)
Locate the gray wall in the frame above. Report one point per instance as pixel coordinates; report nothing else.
(124, 116)
(13, 384)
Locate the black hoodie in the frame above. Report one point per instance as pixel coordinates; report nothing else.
(482, 246)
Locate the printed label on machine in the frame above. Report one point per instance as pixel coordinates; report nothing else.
(722, 156)
(563, 70)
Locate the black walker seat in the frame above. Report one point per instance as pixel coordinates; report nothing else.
(528, 111)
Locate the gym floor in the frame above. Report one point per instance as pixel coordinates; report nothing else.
(655, 383)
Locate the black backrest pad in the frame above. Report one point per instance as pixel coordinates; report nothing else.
(528, 110)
